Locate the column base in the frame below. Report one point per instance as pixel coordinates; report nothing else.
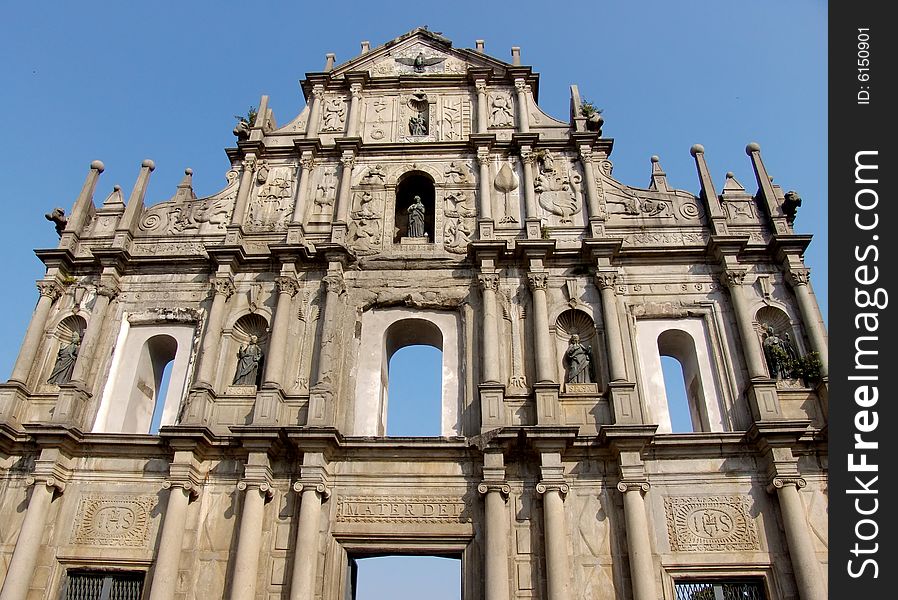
(548, 408)
(295, 234)
(233, 235)
(486, 229)
(70, 404)
(492, 406)
(266, 410)
(625, 405)
(338, 233)
(764, 401)
(200, 402)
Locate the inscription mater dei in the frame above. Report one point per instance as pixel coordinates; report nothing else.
(395, 509)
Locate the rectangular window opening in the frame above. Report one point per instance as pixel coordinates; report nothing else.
(405, 577)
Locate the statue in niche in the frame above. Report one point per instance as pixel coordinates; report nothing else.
(779, 353)
(578, 359)
(65, 361)
(249, 358)
(417, 124)
(416, 218)
(500, 111)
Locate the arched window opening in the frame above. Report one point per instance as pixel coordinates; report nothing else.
(686, 402)
(163, 392)
(403, 577)
(414, 185)
(145, 399)
(412, 381)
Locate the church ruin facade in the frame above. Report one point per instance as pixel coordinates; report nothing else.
(200, 404)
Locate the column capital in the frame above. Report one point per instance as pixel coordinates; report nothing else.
(54, 483)
(606, 279)
(50, 289)
(347, 159)
(538, 281)
(495, 486)
(528, 157)
(190, 487)
(323, 491)
(223, 286)
(520, 85)
(286, 285)
(633, 486)
(480, 86)
(249, 163)
(318, 91)
(781, 482)
(585, 154)
(307, 162)
(733, 277)
(109, 290)
(488, 281)
(334, 282)
(483, 156)
(553, 486)
(263, 486)
(355, 90)
(798, 276)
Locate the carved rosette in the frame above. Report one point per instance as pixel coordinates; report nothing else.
(606, 280)
(489, 282)
(538, 281)
(286, 285)
(50, 289)
(710, 524)
(733, 277)
(543, 487)
(223, 286)
(798, 277)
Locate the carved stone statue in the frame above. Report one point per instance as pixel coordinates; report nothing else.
(578, 360)
(249, 358)
(417, 124)
(65, 361)
(779, 353)
(791, 202)
(59, 219)
(500, 112)
(416, 218)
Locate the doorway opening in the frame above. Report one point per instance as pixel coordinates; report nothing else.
(404, 577)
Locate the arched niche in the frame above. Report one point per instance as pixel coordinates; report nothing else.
(384, 331)
(573, 322)
(132, 390)
(687, 341)
(411, 184)
(247, 327)
(65, 332)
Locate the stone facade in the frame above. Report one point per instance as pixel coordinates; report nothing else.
(269, 484)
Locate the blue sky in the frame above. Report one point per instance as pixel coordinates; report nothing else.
(125, 81)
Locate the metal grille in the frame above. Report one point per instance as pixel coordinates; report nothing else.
(719, 590)
(98, 585)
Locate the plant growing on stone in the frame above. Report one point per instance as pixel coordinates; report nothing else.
(588, 109)
(250, 117)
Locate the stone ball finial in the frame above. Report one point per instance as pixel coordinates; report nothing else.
(697, 149)
(98, 165)
(116, 188)
(730, 175)
(752, 147)
(149, 164)
(188, 171)
(655, 158)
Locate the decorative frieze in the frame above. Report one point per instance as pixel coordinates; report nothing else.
(710, 524)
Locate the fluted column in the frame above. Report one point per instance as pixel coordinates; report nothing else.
(306, 163)
(49, 292)
(605, 280)
(314, 111)
(482, 122)
(355, 91)
(24, 557)
(545, 364)
(223, 288)
(105, 295)
(343, 200)
(168, 557)
(808, 574)
(305, 556)
(249, 540)
(287, 287)
(555, 532)
(810, 314)
(639, 548)
(523, 113)
(489, 283)
(734, 279)
(246, 184)
(496, 539)
(589, 174)
(485, 204)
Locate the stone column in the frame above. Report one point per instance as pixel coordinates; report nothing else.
(314, 111)
(482, 122)
(168, 557)
(810, 314)
(223, 288)
(249, 540)
(589, 174)
(805, 565)
(305, 552)
(24, 557)
(355, 91)
(105, 295)
(246, 184)
(496, 539)
(489, 283)
(287, 287)
(523, 113)
(306, 163)
(485, 204)
(639, 548)
(324, 379)
(527, 162)
(734, 278)
(555, 531)
(545, 362)
(49, 292)
(343, 200)
(605, 280)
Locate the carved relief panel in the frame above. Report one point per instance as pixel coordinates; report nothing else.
(558, 188)
(272, 199)
(192, 216)
(113, 521)
(710, 524)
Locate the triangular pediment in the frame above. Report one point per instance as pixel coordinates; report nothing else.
(420, 52)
